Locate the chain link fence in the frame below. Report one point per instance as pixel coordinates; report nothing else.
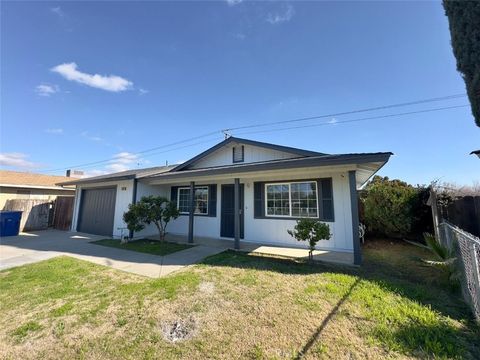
(467, 250)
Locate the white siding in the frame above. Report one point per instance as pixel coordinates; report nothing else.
(123, 198)
(146, 190)
(274, 231)
(265, 231)
(224, 156)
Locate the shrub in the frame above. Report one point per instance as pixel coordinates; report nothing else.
(310, 230)
(395, 209)
(151, 209)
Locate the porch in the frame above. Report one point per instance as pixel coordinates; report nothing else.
(268, 250)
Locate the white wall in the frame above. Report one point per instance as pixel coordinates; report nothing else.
(274, 231)
(223, 156)
(123, 198)
(267, 231)
(146, 190)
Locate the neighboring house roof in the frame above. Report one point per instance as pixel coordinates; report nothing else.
(294, 151)
(31, 180)
(122, 175)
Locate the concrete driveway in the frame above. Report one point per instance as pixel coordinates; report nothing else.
(28, 248)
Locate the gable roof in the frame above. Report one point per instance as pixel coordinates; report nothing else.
(19, 179)
(122, 175)
(291, 150)
(320, 160)
(305, 158)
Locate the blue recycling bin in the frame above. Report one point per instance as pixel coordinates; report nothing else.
(10, 223)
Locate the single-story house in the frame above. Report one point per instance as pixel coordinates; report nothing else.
(25, 185)
(243, 190)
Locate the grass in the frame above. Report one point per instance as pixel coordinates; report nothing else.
(145, 246)
(241, 306)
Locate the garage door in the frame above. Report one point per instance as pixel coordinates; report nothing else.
(97, 211)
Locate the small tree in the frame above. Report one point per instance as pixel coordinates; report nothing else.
(151, 209)
(310, 230)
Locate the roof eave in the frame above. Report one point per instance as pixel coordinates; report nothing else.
(41, 187)
(277, 165)
(93, 180)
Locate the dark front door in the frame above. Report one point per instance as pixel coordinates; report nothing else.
(97, 211)
(227, 223)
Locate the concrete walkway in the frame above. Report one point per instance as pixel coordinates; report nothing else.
(32, 247)
(296, 253)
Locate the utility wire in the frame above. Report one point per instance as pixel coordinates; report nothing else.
(223, 131)
(160, 152)
(449, 97)
(136, 153)
(354, 120)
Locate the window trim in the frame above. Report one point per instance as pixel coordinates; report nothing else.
(289, 183)
(205, 187)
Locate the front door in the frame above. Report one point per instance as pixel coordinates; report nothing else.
(227, 222)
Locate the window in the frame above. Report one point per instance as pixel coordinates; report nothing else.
(200, 198)
(297, 199)
(238, 154)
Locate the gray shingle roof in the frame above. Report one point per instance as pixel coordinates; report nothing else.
(306, 158)
(122, 175)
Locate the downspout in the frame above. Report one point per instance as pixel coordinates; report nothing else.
(134, 201)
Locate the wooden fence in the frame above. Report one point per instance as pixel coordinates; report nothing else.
(63, 214)
(463, 212)
(34, 213)
(41, 214)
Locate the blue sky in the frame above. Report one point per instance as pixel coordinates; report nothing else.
(88, 81)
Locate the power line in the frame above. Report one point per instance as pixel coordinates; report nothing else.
(160, 152)
(223, 131)
(417, 102)
(136, 153)
(355, 120)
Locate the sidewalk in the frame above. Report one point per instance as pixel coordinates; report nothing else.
(28, 248)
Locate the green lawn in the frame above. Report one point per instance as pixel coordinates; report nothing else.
(238, 306)
(145, 246)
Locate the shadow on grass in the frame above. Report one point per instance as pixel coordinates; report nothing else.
(379, 272)
(316, 335)
(435, 338)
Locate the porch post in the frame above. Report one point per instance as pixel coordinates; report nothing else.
(357, 255)
(236, 204)
(192, 210)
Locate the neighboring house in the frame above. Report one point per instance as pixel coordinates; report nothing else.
(23, 185)
(244, 190)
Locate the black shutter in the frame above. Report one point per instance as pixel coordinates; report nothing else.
(325, 196)
(173, 194)
(258, 200)
(212, 200)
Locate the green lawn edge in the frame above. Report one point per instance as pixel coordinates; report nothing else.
(146, 246)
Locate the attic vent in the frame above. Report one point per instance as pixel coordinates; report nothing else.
(238, 153)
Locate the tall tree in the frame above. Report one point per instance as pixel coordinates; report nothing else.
(464, 20)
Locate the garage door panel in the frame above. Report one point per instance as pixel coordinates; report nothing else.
(97, 211)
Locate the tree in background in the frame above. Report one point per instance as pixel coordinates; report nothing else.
(464, 21)
(155, 210)
(395, 209)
